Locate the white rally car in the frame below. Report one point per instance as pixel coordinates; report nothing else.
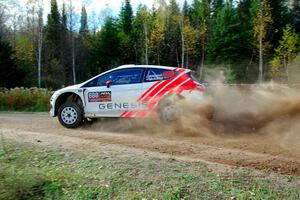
(129, 91)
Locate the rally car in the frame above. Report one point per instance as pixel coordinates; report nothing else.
(128, 91)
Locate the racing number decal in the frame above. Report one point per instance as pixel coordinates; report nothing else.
(104, 96)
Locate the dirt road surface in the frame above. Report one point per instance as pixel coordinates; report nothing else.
(258, 151)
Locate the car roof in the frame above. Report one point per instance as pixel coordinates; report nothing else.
(144, 66)
(132, 66)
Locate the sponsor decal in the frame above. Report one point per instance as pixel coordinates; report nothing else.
(124, 106)
(160, 76)
(168, 74)
(104, 96)
(154, 77)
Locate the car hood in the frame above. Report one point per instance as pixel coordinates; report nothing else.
(70, 88)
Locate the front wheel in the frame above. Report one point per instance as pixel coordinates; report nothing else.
(70, 115)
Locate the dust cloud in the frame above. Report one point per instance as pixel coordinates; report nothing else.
(269, 109)
(227, 111)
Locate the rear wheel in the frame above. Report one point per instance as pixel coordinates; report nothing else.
(70, 115)
(167, 109)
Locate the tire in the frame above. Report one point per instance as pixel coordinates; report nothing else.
(70, 115)
(167, 109)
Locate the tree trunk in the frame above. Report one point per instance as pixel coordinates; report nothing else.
(187, 61)
(146, 43)
(261, 67)
(202, 58)
(136, 53)
(201, 68)
(73, 59)
(177, 57)
(158, 60)
(182, 43)
(286, 69)
(72, 38)
(40, 45)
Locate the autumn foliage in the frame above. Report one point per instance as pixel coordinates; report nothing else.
(24, 99)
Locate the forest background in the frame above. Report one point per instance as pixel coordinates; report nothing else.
(249, 40)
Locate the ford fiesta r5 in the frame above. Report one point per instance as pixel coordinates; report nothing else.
(128, 91)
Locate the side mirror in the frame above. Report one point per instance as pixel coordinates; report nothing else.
(108, 83)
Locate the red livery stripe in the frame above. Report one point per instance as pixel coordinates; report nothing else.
(174, 85)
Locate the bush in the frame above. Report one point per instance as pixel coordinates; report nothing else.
(25, 99)
(28, 184)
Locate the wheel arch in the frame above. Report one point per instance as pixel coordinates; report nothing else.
(168, 99)
(67, 97)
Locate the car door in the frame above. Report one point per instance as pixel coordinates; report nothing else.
(154, 82)
(153, 86)
(120, 94)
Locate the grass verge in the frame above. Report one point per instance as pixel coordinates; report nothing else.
(28, 172)
(25, 99)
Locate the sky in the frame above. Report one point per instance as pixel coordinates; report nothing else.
(98, 5)
(95, 8)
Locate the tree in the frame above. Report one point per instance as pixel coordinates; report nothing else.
(244, 17)
(24, 54)
(53, 30)
(183, 21)
(83, 44)
(262, 19)
(181, 26)
(157, 47)
(189, 35)
(200, 14)
(185, 9)
(125, 33)
(141, 29)
(83, 31)
(40, 44)
(225, 46)
(84, 41)
(3, 17)
(55, 74)
(216, 6)
(190, 41)
(295, 12)
(172, 34)
(244, 69)
(65, 48)
(72, 39)
(64, 19)
(286, 51)
(156, 41)
(105, 47)
(126, 17)
(280, 15)
(10, 74)
(94, 22)
(25, 39)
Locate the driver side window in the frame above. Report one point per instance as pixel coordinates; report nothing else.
(119, 77)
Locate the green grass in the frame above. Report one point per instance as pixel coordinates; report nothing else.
(25, 99)
(36, 173)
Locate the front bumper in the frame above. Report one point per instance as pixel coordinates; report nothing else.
(52, 108)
